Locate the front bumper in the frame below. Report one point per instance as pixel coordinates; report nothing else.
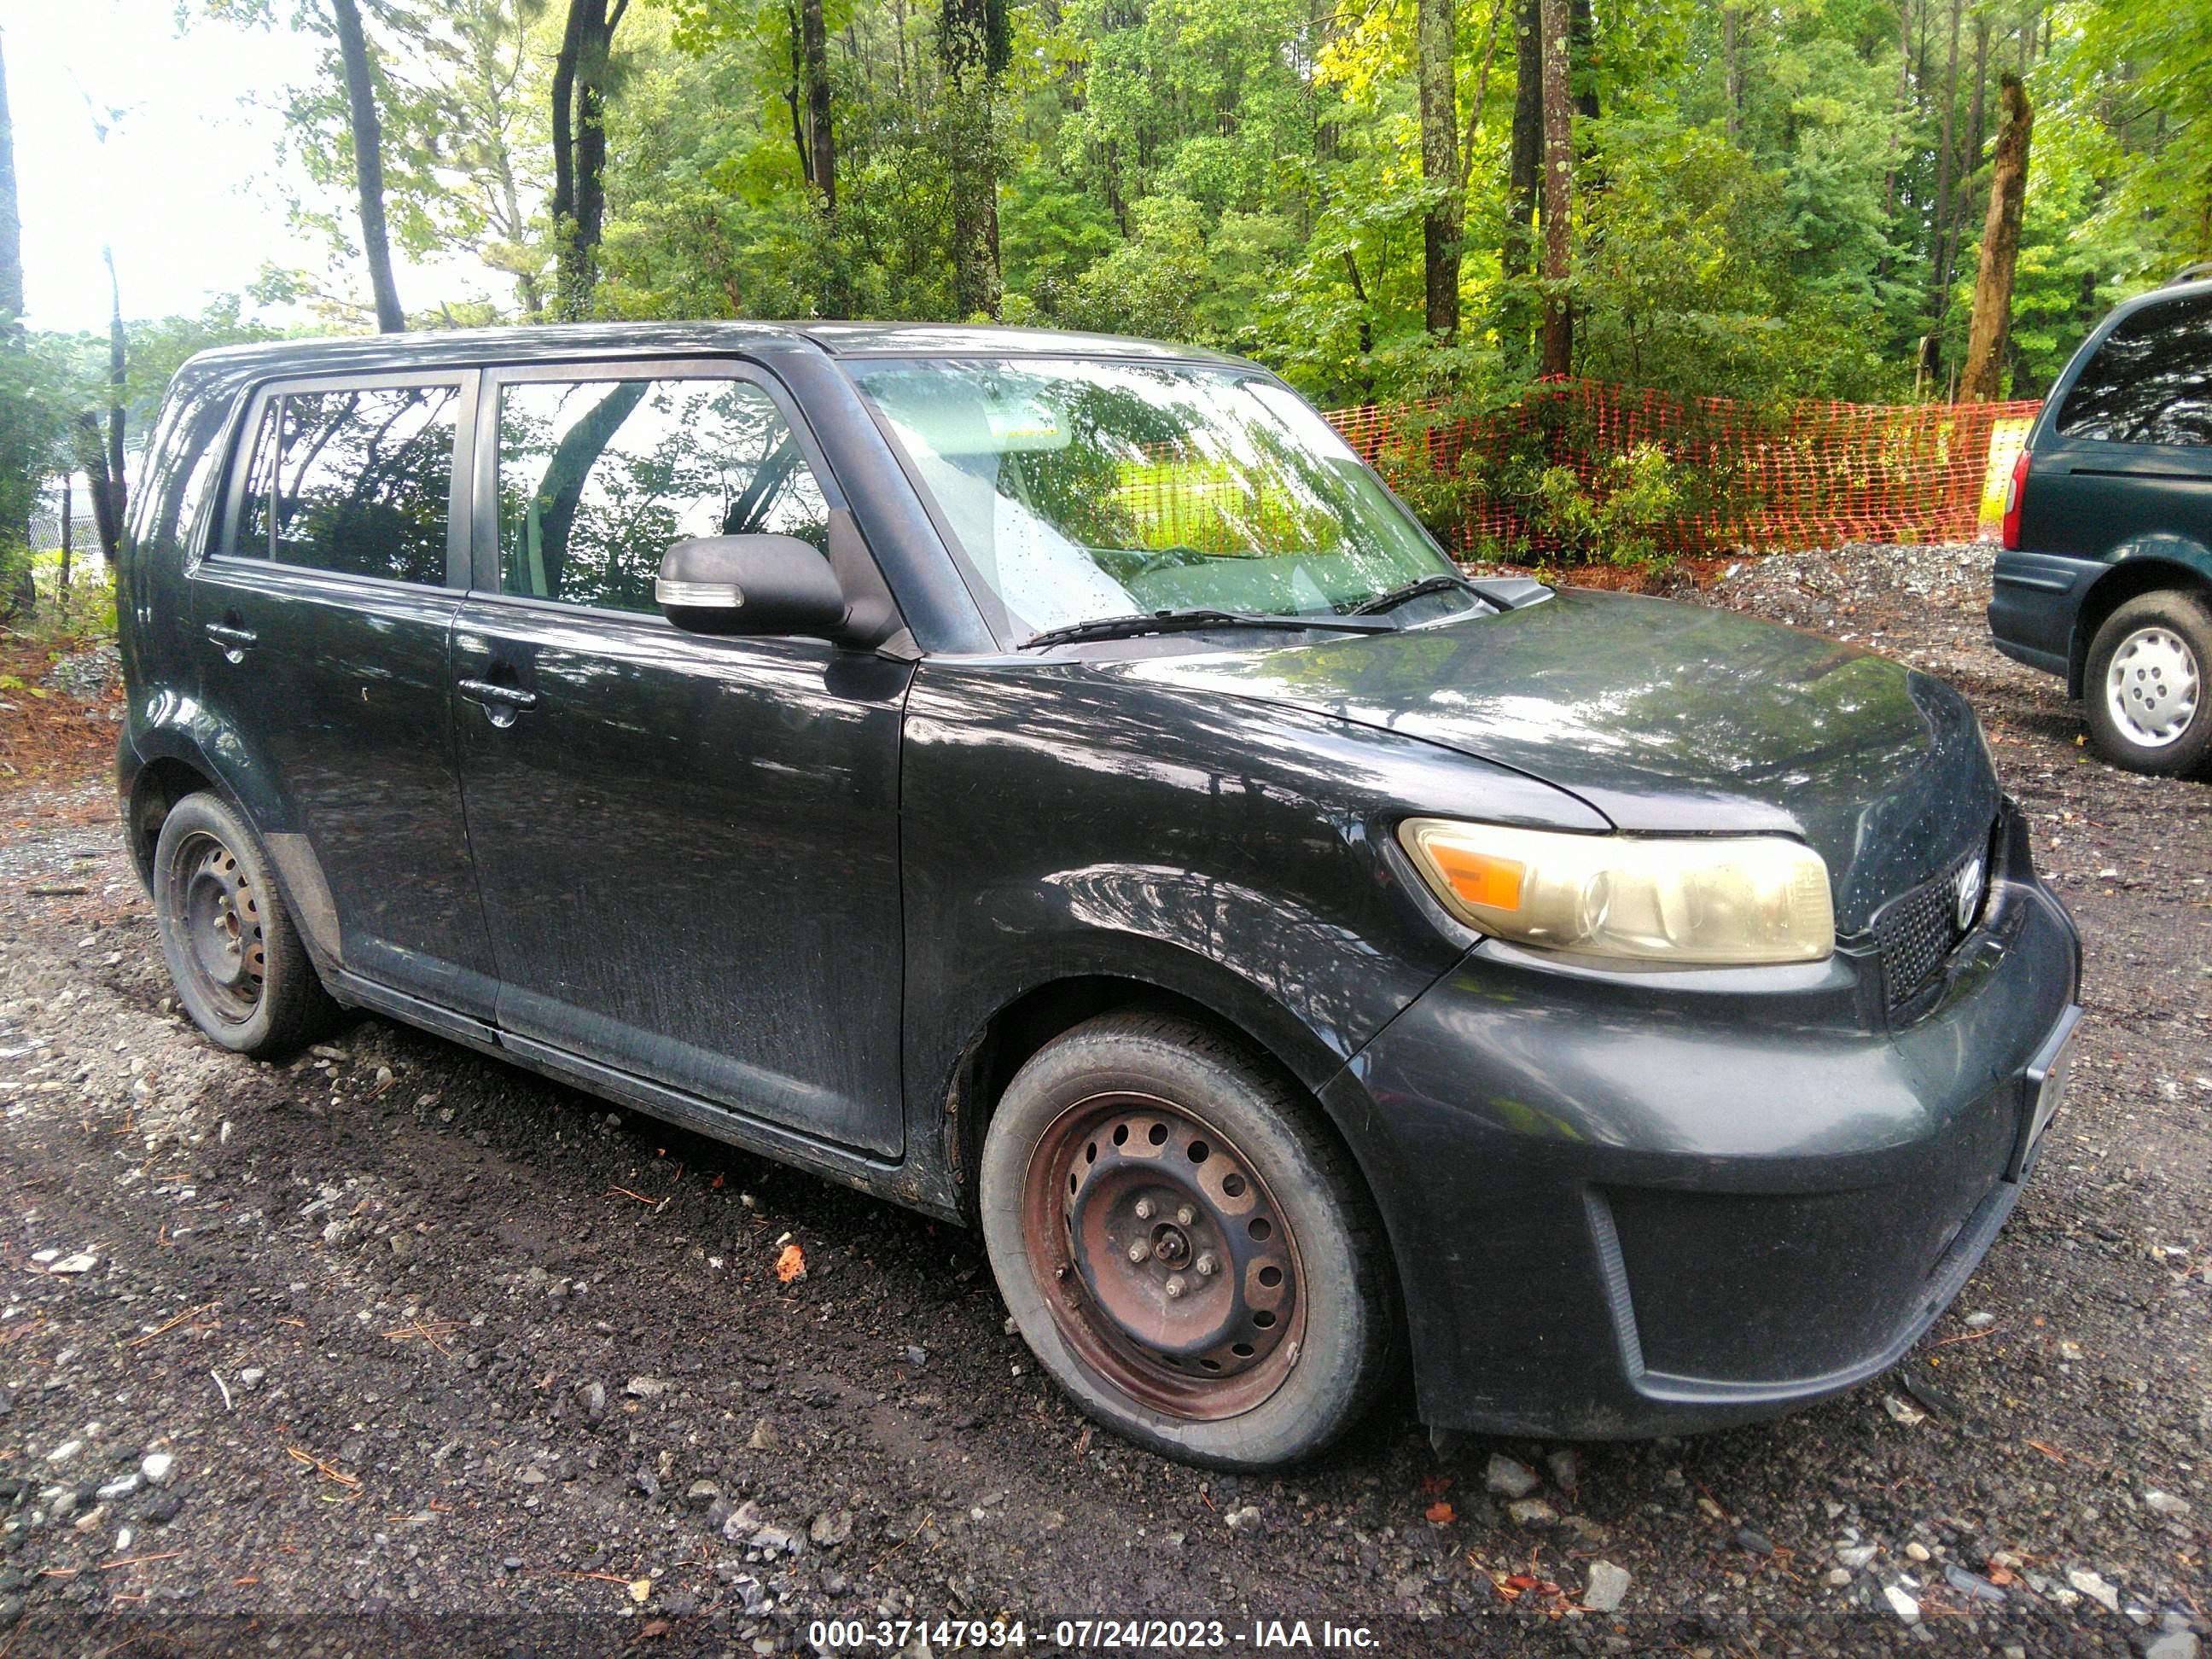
(1626, 1205)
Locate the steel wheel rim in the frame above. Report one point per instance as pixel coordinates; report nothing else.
(2151, 686)
(218, 920)
(1127, 1194)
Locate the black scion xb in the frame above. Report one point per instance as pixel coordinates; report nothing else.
(1046, 780)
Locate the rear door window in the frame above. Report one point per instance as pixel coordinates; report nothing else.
(597, 477)
(357, 481)
(2150, 382)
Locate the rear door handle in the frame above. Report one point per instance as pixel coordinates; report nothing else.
(490, 691)
(501, 703)
(235, 641)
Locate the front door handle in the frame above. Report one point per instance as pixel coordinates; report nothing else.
(235, 641)
(501, 703)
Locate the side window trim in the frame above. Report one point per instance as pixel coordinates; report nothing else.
(483, 582)
(467, 384)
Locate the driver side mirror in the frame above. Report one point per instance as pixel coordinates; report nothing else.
(757, 584)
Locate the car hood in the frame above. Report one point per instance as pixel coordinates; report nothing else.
(1666, 717)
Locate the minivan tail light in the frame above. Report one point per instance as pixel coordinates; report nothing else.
(2015, 493)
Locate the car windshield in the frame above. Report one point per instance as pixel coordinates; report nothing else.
(1080, 489)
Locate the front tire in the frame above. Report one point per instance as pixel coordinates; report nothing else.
(2144, 686)
(235, 956)
(1188, 1252)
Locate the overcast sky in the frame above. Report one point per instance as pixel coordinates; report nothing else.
(185, 186)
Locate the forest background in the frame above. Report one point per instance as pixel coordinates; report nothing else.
(1404, 202)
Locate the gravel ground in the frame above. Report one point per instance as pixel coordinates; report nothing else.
(396, 1349)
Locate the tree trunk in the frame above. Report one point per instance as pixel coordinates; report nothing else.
(1939, 278)
(1475, 108)
(69, 506)
(1992, 324)
(1732, 52)
(91, 461)
(580, 149)
(971, 42)
(119, 486)
(1441, 220)
(1904, 103)
(11, 221)
(1582, 55)
(1970, 160)
(23, 598)
(1523, 165)
(822, 146)
(1559, 189)
(368, 163)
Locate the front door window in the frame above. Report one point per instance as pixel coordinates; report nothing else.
(597, 477)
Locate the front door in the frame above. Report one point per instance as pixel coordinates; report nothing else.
(324, 608)
(687, 848)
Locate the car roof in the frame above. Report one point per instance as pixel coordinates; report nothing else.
(559, 341)
(2171, 293)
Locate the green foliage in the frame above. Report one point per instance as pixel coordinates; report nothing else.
(1758, 212)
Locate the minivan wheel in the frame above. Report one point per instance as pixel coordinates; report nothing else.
(1185, 1250)
(232, 954)
(2145, 687)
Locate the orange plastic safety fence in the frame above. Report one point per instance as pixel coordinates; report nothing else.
(1735, 475)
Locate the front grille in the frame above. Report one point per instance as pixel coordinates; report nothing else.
(1917, 930)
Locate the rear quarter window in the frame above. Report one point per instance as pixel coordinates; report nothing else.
(2150, 382)
(357, 481)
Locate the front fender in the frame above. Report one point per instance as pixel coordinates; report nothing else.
(1061, 823)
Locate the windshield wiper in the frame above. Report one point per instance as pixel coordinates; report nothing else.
(1185, 622)
(1441, 582)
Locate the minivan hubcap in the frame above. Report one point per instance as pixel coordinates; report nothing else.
(2151, 686)
(222, 926)
(1167, 1264)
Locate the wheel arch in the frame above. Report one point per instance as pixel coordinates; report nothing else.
(2185, 567)
(160, 783)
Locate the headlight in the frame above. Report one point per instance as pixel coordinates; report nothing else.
(1669, 899)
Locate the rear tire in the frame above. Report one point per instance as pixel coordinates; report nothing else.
(1185, 1247)
(232, 954)
(2144, 688)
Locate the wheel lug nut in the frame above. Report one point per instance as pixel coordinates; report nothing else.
(1174, 1287)
(1185, 1216)
(1143, 1209)
(1206, 1266)
(1139, 1250)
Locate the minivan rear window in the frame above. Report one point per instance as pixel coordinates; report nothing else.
(357, 481)
(2150, 382)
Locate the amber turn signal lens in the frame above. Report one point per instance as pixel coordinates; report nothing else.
(1480, 879)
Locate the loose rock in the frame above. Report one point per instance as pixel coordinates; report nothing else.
(1607, 1586)
(1506, 1479)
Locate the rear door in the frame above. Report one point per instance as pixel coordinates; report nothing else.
(687, 848)
(322, 610)
(2129, 453)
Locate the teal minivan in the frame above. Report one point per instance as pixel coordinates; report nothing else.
(2105, 575)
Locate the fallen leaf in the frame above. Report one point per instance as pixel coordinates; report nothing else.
(640, 1590)
(790, 1264)
(1442, 1514)
(653, 1630)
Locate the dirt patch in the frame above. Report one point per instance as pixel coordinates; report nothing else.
(396, 1349)
(60, 706)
